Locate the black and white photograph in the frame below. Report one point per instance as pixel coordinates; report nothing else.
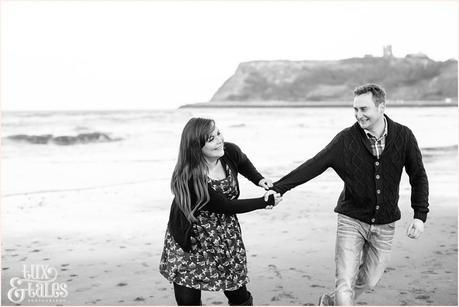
(229, 153)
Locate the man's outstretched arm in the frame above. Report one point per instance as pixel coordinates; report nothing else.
(311, 168)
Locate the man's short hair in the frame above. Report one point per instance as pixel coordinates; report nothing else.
(378, 93)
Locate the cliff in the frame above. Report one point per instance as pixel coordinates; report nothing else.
(414, 77)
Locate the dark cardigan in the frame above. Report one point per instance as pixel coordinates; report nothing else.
(371, 185)
(181, 228)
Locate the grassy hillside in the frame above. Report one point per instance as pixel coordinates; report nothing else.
(408, 78)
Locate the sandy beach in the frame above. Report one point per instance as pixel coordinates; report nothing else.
(97, 212)
(106, 247)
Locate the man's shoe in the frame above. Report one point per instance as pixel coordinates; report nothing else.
(326, 300)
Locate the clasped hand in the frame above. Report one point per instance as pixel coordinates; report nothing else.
(266, 184)
(277, 198)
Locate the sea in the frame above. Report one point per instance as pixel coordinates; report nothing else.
(44, 151)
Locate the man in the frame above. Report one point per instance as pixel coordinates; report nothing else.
(369, 157)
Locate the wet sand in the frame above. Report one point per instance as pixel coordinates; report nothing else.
(106, 243)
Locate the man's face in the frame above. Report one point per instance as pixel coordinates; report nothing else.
(366, 112)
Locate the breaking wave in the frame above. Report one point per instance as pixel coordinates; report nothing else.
(82, 138)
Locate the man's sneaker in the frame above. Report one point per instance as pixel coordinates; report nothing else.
(326, 300)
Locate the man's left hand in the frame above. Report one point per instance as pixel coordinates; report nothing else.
(415, 229)
(266, 183)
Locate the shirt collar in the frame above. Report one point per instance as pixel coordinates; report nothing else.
(369, 135)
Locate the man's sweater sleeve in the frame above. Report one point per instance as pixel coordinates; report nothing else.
(418, 178)
(311, 168)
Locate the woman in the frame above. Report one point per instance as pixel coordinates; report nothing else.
(203, 248)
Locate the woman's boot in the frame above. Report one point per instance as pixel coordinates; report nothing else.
(248, 302)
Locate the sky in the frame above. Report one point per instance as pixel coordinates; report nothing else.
(114, 55)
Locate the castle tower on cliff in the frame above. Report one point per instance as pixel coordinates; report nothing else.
(387, 51)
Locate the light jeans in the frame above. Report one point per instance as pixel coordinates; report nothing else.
(362, 253)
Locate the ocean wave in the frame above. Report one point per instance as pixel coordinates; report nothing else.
(450, 148)
(432, 152)
(82, 138)
(238, 126)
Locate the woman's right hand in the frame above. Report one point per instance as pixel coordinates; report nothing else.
(277, 198)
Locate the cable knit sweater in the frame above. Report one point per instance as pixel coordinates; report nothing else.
(371, 185)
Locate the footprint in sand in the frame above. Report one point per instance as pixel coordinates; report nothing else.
(82, 289)
(145, 264)
(65, 264)
(276, 271)
(317, 286)
(73, 275)
(422, 297)
(216, 303)
(9, 249)
(139, 299)
(45, 259)
(388, 269)
(121, 284)
(4, 269)
(35, 251)
(23, 259)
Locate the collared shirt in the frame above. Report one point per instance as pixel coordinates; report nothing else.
(377, 145)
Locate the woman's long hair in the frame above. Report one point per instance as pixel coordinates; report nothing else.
(191, 166)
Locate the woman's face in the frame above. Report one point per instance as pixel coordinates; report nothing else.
(213, 148)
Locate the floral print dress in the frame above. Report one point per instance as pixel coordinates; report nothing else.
(217, 259)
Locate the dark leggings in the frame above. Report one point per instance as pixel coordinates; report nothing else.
(192, 297)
